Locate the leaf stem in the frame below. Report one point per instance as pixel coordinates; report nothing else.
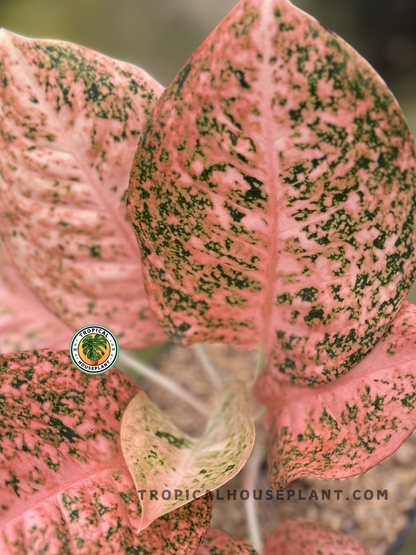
(261, 362)
(250, 480)
(257, 417)
(209, 369)
(156, 377)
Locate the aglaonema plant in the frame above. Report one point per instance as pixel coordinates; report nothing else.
(272, 194)
(69, 128)
(65, 486)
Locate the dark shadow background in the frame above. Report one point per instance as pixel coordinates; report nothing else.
(160, 35)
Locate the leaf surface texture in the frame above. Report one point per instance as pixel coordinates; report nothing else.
(309, 538)
(274, 196)
(64, 485)
(25, 323)
(176, 466)
(70, 120)
(345, 428)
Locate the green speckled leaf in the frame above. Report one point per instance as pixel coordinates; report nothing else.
(274, 196)
(308, 538)
(218, 543)
(177, 467)
(25, 324)
(64, 485)
(345, 428)
(70, 120)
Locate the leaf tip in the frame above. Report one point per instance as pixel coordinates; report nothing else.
(4, 33)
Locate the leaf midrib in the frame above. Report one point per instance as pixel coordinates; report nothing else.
(198, 446)
(115, 216)
(21, 507)
(271, 173)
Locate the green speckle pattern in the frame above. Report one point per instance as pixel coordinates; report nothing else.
(273, 196)
(218, 543)
(344, 428)
(64, 485)
(309, 538)
(163, 459)
(70, 121)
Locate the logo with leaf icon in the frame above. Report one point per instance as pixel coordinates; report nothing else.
(94, 347)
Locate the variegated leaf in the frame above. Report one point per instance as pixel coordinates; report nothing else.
(163, 459)
(70, 120)
(218, 543)
(345, 428)
(308, 538)
(64, 485)
(274, 196)
(25, 323)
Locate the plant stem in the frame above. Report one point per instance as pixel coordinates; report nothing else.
(209, 369)
(257, 417)
(153, 375)
(261, 362)
(250, 480)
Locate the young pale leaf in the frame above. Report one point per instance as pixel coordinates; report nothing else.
(25, 323)
(177, 467)
(308, 538)
(70, 119)
(218, 543)
(345, 428)
(64, 485)
(274, 196)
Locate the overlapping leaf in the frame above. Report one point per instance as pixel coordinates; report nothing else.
(218, 543)
(64, 485)
(274, 196)
(345, 428)
(308, 538)
(25, 323)
(70, 119)
(165, 460)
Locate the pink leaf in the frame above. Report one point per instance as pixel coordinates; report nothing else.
(218, 543)
(25, 323)
(70, 121)
(64, 485)
(274, 196)
(345, 428)
(308, 538)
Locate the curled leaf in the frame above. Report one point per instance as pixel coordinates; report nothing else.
(345, 428)
(308, 538)
(177, 467)
(64, 485)
(218, 543)
(25, 323)
(70, 120)
(285, 173)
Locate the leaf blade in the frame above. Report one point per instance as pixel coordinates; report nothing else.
(71, 119)
(64, 482)
(309, 538)
(285, 209)
(25, 324)
(216, 542)
(162, 457)
(347, 427)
